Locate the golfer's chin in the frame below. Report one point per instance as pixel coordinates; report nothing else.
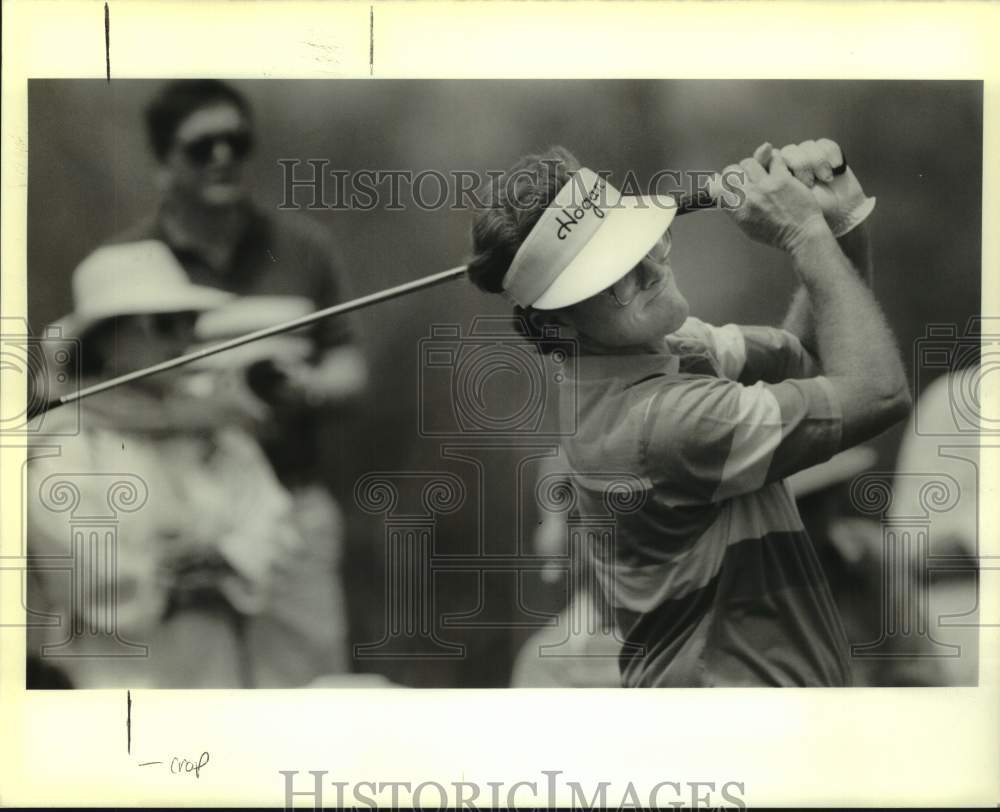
(660, 317)
(669, 310)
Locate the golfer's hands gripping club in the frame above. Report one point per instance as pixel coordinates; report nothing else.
(776, 208)
(820, 165)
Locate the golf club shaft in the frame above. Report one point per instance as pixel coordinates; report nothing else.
(34, 410)
(685, 204)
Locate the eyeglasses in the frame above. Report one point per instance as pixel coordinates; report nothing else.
(626, 289)
(200, 150)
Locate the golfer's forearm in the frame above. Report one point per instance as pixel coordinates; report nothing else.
(853, 341)
(856, 245)
(799, 319)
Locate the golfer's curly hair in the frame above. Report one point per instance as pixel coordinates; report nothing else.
(517, 200)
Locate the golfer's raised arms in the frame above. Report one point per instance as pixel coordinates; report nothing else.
(854, 344)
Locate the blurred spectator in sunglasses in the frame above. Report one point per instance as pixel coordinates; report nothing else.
(202, 134)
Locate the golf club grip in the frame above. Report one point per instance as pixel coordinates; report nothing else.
(702, 198)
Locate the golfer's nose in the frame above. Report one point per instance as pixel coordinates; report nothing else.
(650, 274)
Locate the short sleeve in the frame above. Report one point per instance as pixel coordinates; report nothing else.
(774, 355)
(725, 345)
(708, 439)
(751, 353)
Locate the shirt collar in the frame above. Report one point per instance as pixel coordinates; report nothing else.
(680, 354)
(628, 368)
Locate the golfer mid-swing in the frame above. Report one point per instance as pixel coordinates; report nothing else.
(714, 580)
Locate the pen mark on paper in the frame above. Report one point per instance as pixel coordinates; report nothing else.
(107, 40)
(325, 53)
(183, 766)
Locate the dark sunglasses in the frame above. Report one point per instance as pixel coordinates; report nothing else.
(200, 150)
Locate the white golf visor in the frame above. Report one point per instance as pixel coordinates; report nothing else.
(588, 238)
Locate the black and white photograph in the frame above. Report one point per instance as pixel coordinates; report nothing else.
(368, 386)
(659, 432)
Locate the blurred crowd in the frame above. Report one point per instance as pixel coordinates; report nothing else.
(232, 574)
(228, 576)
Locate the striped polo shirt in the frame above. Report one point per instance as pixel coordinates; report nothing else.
(712, 579)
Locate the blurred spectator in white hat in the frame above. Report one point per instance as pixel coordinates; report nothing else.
(202, 560)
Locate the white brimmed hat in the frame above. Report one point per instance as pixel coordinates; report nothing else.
(588, 238)
(131, 278)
